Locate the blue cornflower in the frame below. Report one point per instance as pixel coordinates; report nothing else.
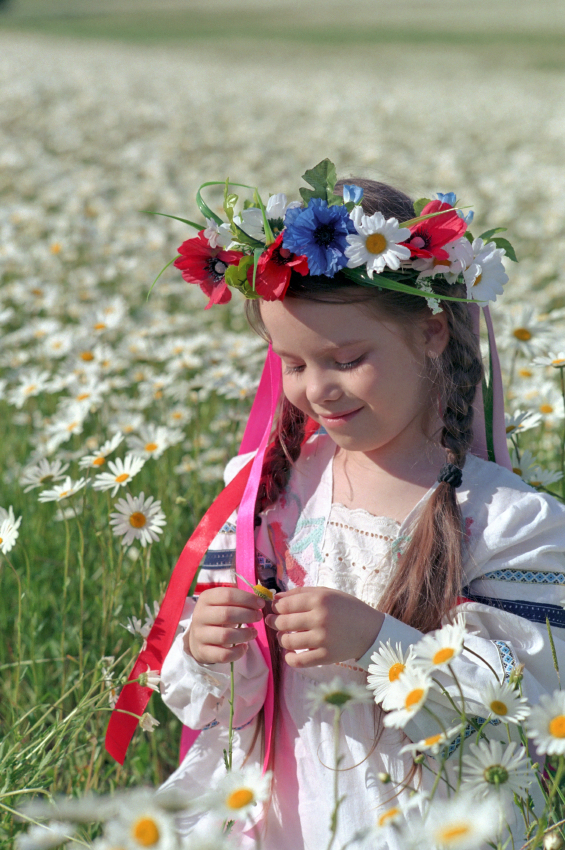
(466, 218)
(447, 198)
(319, 233)
(351, 192)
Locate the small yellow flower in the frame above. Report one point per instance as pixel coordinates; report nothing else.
(263, 592)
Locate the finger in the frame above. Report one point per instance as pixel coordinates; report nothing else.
(232, 596)
(297, 640)
(223, 654)
(292, 603)
(219, 615)
(309, 658)
(221, 636)
(290, 622)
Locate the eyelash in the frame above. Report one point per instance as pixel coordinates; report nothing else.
(342, 367)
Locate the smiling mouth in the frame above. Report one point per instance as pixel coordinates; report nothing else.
(339, 417)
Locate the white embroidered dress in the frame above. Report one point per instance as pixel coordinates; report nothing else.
(515, 535)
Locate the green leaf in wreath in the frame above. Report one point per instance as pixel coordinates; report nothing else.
(236, 276)
(488, 234)
(500, 242)
(420, 204)
(322, 178)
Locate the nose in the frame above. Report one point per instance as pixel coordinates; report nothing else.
(322, 387)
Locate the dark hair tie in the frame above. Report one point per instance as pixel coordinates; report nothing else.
(451, 474)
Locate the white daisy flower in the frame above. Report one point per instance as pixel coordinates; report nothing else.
(493, 767)
(138, 518)
(386, 667)
(41, 473)
(336, 694)
(9, 526)
(504, 702)
(45, 836)
(98, 458)
(31, 384)
(147, 722)
(141, 824)
(433, 743)
(376, 242)
(153, 440)
(462, 823)
(522, 463)
(525, 331)
(538, 477)
(238, 792)
(486, 276)
(62, 491)
(521, 421)
(121, 473)
(546, 724)
(436, 650)
(552, 358)
(150, 679)
(68, 422)
(406, 697)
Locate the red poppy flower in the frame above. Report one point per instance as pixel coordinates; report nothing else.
(274, 269)
(207, 266)
(429, 237)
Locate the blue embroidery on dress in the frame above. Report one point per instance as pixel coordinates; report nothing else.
(523, 576)
(469, 729)
(506, 658)
(227, 528)
(314, 536)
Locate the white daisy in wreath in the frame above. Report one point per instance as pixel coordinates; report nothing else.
(376, 242)
(138, 518)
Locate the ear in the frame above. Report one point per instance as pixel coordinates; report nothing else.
(436, 334)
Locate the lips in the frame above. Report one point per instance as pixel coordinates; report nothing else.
(338, 418)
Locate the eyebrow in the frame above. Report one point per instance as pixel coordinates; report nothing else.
(326, 349)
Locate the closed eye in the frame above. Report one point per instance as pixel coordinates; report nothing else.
(343, 367)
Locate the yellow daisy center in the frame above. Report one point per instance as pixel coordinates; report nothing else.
(525, 373)
(38, 292)
(98, 461)
(55, 248)
(146, 832)
(546, 408)
(121, 478)
(82, 396)
(557, 726)
(523, 334)
(443, 655)
(433, 739)
(87, 356)
(240, 798)
(499, 707)
(263, 592)
(388, 815)
(177, 415)
(559, 362)
(414, 697)
(477, 279)
(1, 541)
(64, 493)
(375, 243)
(137, 519)
(150, 447)
(30, 389)
(72, 426)
(452, 832)
(510, 428)
(99, 326)
(395, 671)
(516, 470)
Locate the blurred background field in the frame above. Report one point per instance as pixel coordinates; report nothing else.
(109, 109)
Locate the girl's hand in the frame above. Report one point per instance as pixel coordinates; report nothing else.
(214, 636)
(329, 624)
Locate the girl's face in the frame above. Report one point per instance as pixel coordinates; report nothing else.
(355, 374)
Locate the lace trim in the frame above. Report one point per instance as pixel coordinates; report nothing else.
(380, 519)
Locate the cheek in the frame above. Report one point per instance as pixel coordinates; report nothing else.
(293, 391)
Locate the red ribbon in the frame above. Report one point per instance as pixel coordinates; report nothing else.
(134, 697)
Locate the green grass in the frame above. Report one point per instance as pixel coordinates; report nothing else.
(506, 40)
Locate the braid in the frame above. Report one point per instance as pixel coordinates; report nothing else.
(281, 454)
(462, 370)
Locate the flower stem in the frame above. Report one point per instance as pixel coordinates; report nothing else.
(337, 760)
(229, 762)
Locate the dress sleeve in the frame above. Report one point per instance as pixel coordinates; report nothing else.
(199, 693)
(518, 566)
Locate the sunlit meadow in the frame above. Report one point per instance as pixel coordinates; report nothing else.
(105, 394)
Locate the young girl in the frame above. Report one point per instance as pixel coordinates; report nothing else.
(381, 525)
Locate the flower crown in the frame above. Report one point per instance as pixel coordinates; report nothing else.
(256, 250)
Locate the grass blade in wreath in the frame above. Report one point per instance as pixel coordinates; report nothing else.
(161, 272)
(385, 280)
(176, 218)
